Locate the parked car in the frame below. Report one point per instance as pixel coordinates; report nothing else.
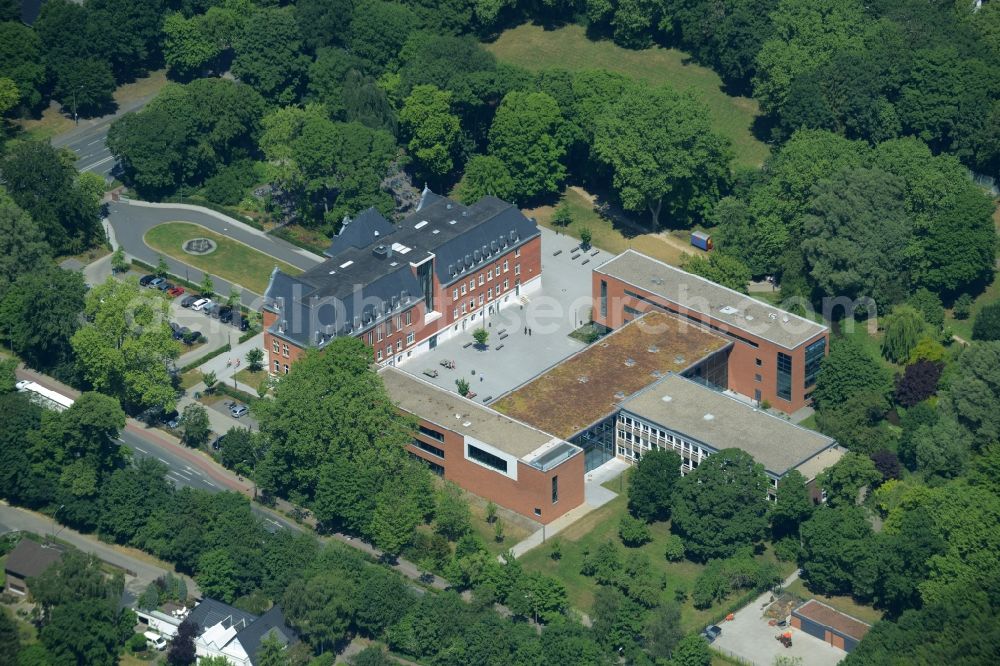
(201, 303)
(171, 419)
(225, 314)
(156, 282)
(712, 632)
(244, 323)
(165, 286)
(189, 300)
(175, 291)
(191, 337)
(239, 410)
(217, 443)
(180, 332)
(145, 280)
(155, 641)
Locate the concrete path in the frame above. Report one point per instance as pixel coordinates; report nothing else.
(595, 495)
(139, 572)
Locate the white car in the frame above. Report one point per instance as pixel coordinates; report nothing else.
(201, 303)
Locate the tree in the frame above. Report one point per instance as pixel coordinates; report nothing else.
(394, 520)
(987, 323)
(633, 531)
(794, 505)
(845, 479)
(182, 652)
(585, 237)
(323, 22)
(21, 57)
(941, 449)
(887, 464)
(857, 235)
(917, 383)
(118, 262)
(130, 496)
(379, 30)
(722, 505)
(188, 45)
(22, 246)
(195, 426)
(255, 359)
(848, 370)
(974, 392)
(217, 575)
(719, 268)
(161, 266)
(528, 136)
(8, 377)
(902, 329)
(268, 55)
(433, 131)
(692, 650)
(383, 598)
(207, 287)
(652, 483)
(272, 652)
(928, 304)
(127, 349)
(837, 550)
(662, 151)
(84, 86)
(452, 516)
(963, 307)
(562, 216)
(40, 314)
(663, 631)
(320, 607)
(240, 450)
(210, 380)
(481, 335)
(486, 175)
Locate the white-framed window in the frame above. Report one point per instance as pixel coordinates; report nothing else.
(454, 314)
(496, 271)
(378, 332)
(277, 367)
(481, 299)
(409, 339)
(489, 274)
(517, 269)
(506, 285)
(472, 304)
(284, 350)
(463, 289)
(409, 317)
(489, 293)
(463, 308)
(370, 338)
(286, 368)
(482, 279)
(274, 346)
(517, 252)
(454, 294)
(399, 345)
(378, 354)
(504, 265)
(388, 350)
(472, 284)
(398, 323)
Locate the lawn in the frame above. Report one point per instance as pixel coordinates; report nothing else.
(253, 379)
(535, 48)
(54, 121)
(602, 525)
(843, 604)
(231, 260)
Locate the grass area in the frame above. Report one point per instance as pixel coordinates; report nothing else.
(87, 256)
(843, 604)
(190, 378)
(514, 530)
(231, 260)
(535, 48)
(253, 379)
(55, 121)
(606, 233)
(307, 239)
(600, 526)
(126, 659)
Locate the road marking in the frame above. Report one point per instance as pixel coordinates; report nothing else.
(142, 450)
(96, 141)
(99, 163)
(184, 474)
(273, 522)
(163, 461)
(195, 471)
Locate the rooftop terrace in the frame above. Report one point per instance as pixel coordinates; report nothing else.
(589, 385)
(705, 297)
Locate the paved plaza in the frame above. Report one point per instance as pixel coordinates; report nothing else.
(561, 306)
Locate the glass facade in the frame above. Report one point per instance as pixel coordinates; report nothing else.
(604, 298)
(433, 450)
(487, 458)
(784, 376)
(814, 356)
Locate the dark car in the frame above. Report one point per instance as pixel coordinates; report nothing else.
(165, 286)
(244, 323)
(191, 337)
(171, 419)
(225, 314)
(712, 632)
(146, 279)
(217, 443)
(180, 332)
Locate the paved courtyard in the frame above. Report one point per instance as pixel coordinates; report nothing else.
(558, 308)
(749, 637)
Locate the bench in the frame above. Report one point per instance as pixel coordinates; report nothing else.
(501, 331)
(431, 373)
(575, 248)
(498, 347)
(470, 395)
(557, 253)
(467, 345)
(487, 398)
(575, 257)
(502, 336)
(585, 262)
(594, 253)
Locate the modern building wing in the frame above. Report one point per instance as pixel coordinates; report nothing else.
(776, 354)
(403, 287)
(489, 454)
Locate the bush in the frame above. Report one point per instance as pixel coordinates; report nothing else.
(918, 382)
(929, 305)
(675, 548)
(787, 549)
(963, 307)
(136, 643)
(633, 531)
(987, 324)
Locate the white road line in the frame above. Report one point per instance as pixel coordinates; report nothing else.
(163, 461)
(193, 470)
(95, 141)
(142, 450)
(186, 476)
(99, 163)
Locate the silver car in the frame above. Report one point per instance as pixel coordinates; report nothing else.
(239, 410)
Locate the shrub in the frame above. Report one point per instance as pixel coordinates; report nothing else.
(675, 548)
(918, 382)
(887, 463)
(987, 324)
(787, 549)
(555, 549)
(463, 386)
(604, 564)
(633, 531)
(136, 643)
(929, 305)
(963, 307)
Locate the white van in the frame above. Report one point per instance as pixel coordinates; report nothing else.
(154, 640)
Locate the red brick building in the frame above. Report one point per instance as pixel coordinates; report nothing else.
(775, 354)
(487, 453)
(405, 287)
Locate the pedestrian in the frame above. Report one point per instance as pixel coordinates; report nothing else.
(529, 332)
(525, 330)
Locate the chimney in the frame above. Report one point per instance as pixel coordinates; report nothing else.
(382, 251)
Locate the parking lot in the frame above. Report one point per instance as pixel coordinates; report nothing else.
(748, 636)
(561, 306)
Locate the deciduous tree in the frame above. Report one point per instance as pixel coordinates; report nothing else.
(845, 479)
(528, 136)
(652, 483)
(848, 370)
(720, 268)
(433, 131)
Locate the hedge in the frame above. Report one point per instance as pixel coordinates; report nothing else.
(218, 209)
(207, 357)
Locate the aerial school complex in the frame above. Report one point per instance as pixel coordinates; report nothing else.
(685, 364)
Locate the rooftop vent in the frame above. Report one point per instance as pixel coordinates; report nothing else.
(381, 251)
(657, 280)
(772, 315)
(394, 263)
(653, 349)
(436, 231)
(376, 233)
(448, 206)
(477, 256)
(657, 374)
(465, 213)
(347, 263)
(583, 379)
(630, 362)
(619, 395)
(709, 417)
(666, 398)
(784, 318)
(468, 260)
(452, 221)
(728, 310)
(332, 273)
(678, 359)
(494, 246)
(466, 423)
(749, 317)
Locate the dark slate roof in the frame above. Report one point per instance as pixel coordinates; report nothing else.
(30, 558)
(270, 623)
(358, 286)
(210, 612)
(368, 227)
